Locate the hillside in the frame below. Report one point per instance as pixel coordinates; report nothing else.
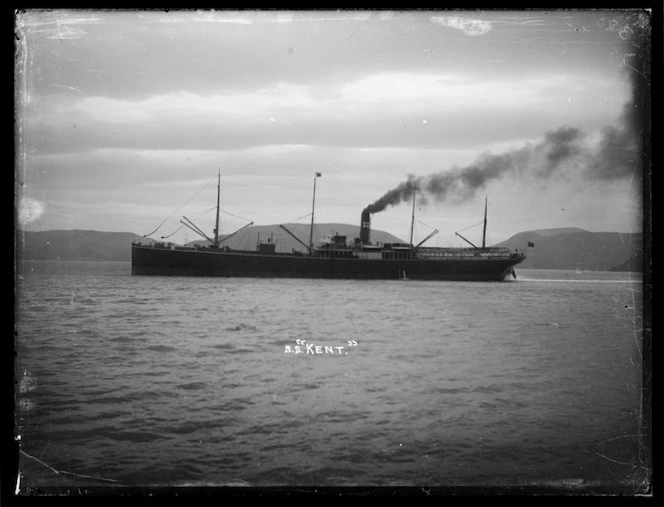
(75, 245)
(578, 249)
(116, 246)
(558, 231)
(567, 248)
(634, 263)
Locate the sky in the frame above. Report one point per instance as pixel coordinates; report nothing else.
(125, 119)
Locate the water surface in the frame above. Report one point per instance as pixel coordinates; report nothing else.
(196, 381)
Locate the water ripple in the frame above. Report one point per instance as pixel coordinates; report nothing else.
(183, 380)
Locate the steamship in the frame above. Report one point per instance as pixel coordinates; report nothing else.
(334, 258)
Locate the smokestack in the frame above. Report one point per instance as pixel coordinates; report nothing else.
(365, 227)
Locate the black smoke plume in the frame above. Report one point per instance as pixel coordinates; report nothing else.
(617, 155)
(558, 148)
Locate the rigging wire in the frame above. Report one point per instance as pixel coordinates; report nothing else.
(178, 209)
(499, 220)
(197, 214)
(231, 214)
(471, 226)
(300, 218)
(171, 234)
(425, 225)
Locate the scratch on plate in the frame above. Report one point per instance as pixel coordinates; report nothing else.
(67, 87)
(55, 25)
(468, 26)
(426, 58)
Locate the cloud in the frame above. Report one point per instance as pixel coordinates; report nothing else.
(468, 26)
(175, 106)
(457, 91)
(133, 109)
(384, 109)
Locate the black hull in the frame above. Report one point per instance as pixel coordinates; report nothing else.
(148, 260)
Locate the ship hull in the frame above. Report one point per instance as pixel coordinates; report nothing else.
(152, 261)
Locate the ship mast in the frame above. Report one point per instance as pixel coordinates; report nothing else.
(412, 221)
(216, 225)
(486, 199)
(313, 208)
(483, 232)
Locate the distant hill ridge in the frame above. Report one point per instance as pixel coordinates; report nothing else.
(558, 231)
(116, 246)
(579, 249)
(75, 245)
(561, 248)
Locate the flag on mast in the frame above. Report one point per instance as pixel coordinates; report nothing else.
(318, 175)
